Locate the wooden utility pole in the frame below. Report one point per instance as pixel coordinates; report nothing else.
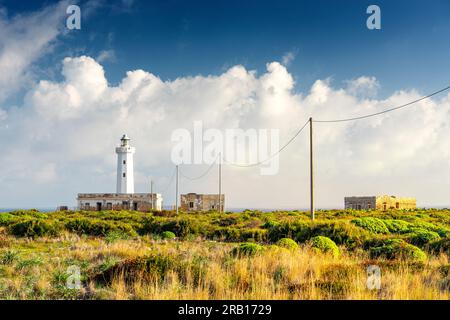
(311, 167)
(220, 182)
(176, 193)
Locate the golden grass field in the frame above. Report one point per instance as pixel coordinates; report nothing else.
(149, 267)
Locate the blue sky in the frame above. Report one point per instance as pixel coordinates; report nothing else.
(66, 96)
(328, 38)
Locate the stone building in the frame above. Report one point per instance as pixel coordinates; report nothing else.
(379, 202)
(202, 202)
(124, 198)
(119, 201)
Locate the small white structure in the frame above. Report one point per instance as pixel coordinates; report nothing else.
(125, 174)
(124, 198)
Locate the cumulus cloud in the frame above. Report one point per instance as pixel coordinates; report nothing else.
(363, 86)
(64, 135)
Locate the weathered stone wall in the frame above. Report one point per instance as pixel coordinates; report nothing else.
(118, 201)
(379, 203)
(392, 202)
(201, 202)
(360, 203)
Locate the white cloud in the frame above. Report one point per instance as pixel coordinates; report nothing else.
(24, 38)
(363, 86)
(288, 57)
(65, 133)
(106, 55)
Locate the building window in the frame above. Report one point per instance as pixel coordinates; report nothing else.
(87, 205)
(109, 206)
(124, 174)
(191, 204)
(368, 206)
(124, 162)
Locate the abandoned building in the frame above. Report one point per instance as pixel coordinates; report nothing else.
(124, 198)
(379, 202)
(202, 202)
(119, 201)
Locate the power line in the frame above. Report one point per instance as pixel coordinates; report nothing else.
(200, 176)
(271, 156)
(170, 181)
(387, 110)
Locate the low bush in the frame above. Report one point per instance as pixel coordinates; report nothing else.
(34, 228)
(155, 266)
(287, 243)
(95, 227)
(371, 224)
(421, 237)
(325, 244)
(397, 226)
(6, 219)
(398, 249)
(168, 235)
(247, 249)
(442, 245)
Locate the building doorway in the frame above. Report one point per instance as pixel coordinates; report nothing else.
(99, 206)
(135, 206)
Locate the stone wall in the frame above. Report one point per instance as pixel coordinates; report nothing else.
(201, 202)
(118, 201)
(379, 203)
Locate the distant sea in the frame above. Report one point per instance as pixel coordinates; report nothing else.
(226, 209)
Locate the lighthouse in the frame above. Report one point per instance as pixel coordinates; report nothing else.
(125, 176)
(124, 198)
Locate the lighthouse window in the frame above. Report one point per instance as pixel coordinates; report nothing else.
(124, 161)
(124, 174)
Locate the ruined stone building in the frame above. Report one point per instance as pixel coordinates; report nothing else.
(379, 202)
(202, 202)
(124, 198)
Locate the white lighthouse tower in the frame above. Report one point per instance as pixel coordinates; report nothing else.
(125, 177)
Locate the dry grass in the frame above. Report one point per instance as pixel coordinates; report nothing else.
(206, 270)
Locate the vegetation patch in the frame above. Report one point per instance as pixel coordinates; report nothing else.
(287, 243)
(325, 244)
(34, 228)
(371, 224)
(247, 249)
(398, 249)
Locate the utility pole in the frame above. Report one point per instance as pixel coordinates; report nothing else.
(220, 182)
(176, 193)
(311, 167)
(151, 192)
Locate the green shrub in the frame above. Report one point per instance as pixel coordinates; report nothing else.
(442, 245)
(373, 225)
(115, 235)
(398, 249)
(7, 219)
(247, 249)
(95, 227)
(287, 243)
(325, 244)
(422, 237)
(397, 226)
(168, 235)
(34, 228)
